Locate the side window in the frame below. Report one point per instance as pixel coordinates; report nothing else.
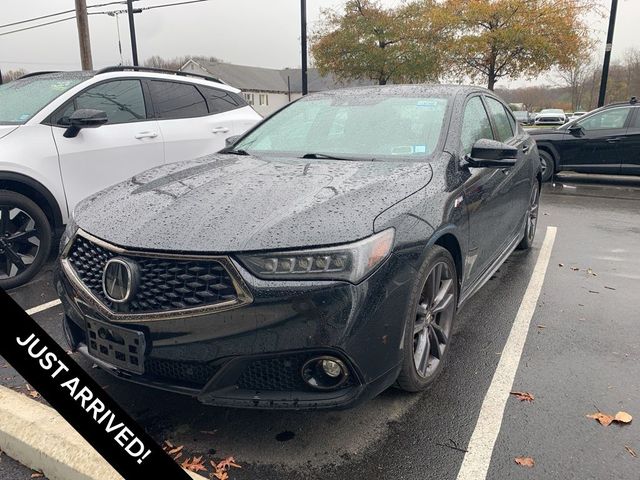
(121, 100)
(177, 100)
(220, 101)
(501, 119)
(607, 119)
(636, 121)
(475, 125)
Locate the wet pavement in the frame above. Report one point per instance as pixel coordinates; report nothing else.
(581, 355)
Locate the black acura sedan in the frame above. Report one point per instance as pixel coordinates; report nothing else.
(319, 260)
(606, 141)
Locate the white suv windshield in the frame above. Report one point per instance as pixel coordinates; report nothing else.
(22, 99)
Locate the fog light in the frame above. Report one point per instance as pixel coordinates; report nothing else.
(331, 368)
(325, 373)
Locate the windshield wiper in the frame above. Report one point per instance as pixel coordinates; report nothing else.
(325, 156)
(236, 152)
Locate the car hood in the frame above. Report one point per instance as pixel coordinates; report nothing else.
(227, 203)
(7, 129)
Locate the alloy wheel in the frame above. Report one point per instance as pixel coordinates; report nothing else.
(434, 318)
(532, 217)
(19, 241)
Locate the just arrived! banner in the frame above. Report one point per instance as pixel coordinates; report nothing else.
(74, 394)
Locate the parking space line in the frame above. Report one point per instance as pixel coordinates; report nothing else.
(43, 307)
(475, 464)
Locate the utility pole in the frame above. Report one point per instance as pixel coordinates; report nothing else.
(303, 42)
(607, 53)
(82, 19)
(132, 32)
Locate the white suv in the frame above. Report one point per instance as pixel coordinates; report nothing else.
(52, 155)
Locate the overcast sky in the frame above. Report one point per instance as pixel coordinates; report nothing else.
(250, 32)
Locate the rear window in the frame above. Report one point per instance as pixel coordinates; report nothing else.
(22, 99)
(220, 101)
(177, 100)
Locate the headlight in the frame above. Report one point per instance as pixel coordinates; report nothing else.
(68, 234)
(350, 262)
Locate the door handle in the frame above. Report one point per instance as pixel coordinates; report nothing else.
(613, 140)
(526, 148)
(220, 130)
(141, 135)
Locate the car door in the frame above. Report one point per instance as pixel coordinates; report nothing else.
(597, 148)
(188, 127)
(484, 191)
(129, 143)
(630, 155)
(517, 189)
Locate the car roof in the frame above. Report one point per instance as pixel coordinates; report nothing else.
(410, 89)
(129, 72)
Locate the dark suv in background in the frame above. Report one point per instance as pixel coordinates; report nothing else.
(606, 140)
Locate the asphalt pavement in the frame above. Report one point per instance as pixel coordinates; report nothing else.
(580, 356)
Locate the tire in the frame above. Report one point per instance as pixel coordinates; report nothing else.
(25, 239)
(417, 373)
(548, 165)
(532, 218)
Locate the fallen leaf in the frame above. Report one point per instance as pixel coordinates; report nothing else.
(523, 396)
(34, 394)
(4, 365)
(631, 451)
(168, 443)
(541, 326)
(609, 288)
(194, 464)
(593, 291)
(591, 272)
(221, 468)
(173, 451)
(622, 417)
(37, 475)
(561, 264)
(525, 461)
(603, 418)
(575, 269)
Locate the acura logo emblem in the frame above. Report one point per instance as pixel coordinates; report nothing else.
(119, 280)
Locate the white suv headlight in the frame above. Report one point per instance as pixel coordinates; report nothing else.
(351, 262)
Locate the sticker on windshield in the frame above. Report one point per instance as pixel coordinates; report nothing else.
(428, 104)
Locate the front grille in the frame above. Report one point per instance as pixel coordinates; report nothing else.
(189, 374)
(165, 284)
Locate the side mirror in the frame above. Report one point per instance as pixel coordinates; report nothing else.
(85, 118)
(576, 130)
(492, 154)
(231, 140)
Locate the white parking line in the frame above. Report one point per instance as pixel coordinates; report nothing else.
(476, 461)
(43, 307)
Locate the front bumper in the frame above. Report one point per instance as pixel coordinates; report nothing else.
(250, 356)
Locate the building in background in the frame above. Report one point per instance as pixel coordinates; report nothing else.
(267, 89)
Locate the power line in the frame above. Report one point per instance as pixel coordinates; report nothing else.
(58, 13)
(92, 13)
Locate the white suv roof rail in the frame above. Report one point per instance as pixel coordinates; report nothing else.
(125, 68)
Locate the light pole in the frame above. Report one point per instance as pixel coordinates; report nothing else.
(607, 53)
(303, 44)
(132, 32)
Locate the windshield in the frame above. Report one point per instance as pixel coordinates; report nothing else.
(352, 127)
(22, 99)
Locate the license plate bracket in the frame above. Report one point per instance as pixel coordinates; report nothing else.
(121, 347)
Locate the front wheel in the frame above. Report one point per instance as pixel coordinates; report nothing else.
(25, 239)
(429, 325)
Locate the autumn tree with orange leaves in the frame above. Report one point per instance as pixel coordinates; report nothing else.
(493, 39)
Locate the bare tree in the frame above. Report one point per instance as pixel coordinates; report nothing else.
(12, 75)
(575, 76)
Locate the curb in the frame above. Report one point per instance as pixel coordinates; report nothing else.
(38, 437)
